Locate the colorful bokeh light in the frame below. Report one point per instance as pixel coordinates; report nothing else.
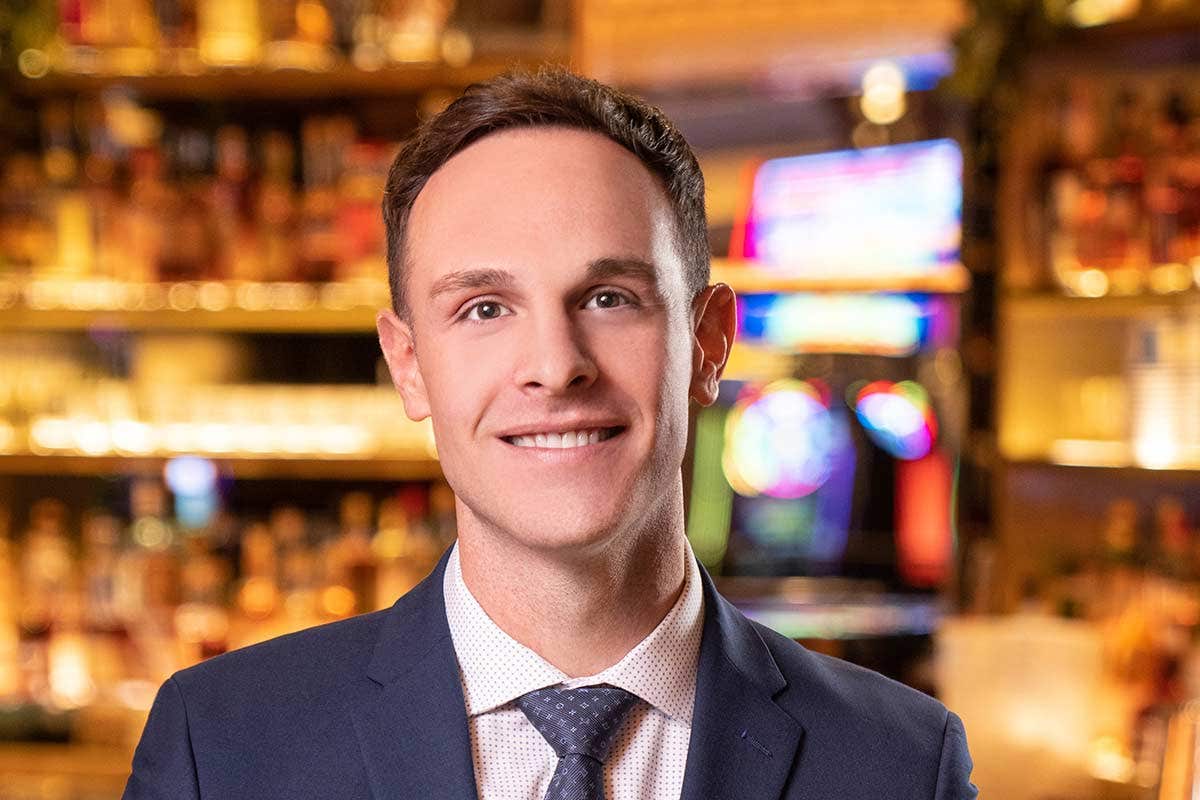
(897, 417)
(781, 440)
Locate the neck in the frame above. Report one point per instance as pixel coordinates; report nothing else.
(580, 614)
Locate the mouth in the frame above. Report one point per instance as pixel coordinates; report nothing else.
(565, 440)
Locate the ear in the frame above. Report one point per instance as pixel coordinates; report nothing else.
(399, 350)
(714, 324)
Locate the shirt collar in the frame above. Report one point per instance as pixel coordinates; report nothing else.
(496, 669)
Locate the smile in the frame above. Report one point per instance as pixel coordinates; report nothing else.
(564, 440)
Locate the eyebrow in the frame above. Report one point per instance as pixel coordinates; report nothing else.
(464, 279)
(600, 269)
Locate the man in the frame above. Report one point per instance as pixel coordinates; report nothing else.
(552, 315)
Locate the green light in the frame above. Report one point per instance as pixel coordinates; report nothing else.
(712, 499)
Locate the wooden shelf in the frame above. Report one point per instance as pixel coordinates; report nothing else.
(279, 467)
(1184, 472)
(211, 306)
(319, 320)
(1147, 40)
(72, 770)
(342, 80)
(1045, 305)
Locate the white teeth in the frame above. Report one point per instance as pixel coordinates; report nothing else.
(560, 441)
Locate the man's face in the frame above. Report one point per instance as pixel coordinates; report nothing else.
(548, 298)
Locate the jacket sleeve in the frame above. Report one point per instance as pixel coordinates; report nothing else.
(954, 771)
(164, 766)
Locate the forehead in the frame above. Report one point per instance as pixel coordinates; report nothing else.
(538, 199)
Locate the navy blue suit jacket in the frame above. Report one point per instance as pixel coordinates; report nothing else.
(372, 707)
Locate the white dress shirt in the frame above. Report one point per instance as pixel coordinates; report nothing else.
(514, 762)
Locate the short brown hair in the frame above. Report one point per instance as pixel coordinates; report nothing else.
(550, 97)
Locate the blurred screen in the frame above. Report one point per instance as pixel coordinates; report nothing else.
(877, 212)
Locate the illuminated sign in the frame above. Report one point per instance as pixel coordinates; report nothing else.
(881, 212)
(880, 324)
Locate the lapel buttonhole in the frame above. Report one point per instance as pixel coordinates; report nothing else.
(756, 744)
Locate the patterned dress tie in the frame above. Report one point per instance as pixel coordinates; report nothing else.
(581, 725)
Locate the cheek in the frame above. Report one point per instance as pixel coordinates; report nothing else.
(459, 386)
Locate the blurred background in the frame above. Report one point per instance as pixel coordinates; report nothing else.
(959, 436)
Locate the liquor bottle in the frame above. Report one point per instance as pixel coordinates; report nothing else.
(100, 533)
(298, 33)
(149, 566)
(258, 591)
(27, 230)
(237, 247)
(176, 22)
(390, 546)
(74, 253)
(47, 574)
(10, 638)
(359, 224)
(189, 252)
(353, 555)
(202, 622)
(104, 162)
(324, 140)
(276, 208)
(297, 567)
(1175, 544)
(1073, 203)
(1165, 194)
(108, 646)
(228, 32)
(1187, 176)
(143, 229)
(1122, 172)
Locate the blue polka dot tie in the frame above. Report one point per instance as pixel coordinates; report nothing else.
(581, 725)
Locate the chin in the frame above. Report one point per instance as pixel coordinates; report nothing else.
(577, 525)
(564, 533)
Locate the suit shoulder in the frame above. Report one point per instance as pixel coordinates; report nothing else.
(858, 697)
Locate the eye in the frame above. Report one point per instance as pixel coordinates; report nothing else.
(607, 299)
(485, 310)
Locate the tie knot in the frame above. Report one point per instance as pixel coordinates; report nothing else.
(583, 721)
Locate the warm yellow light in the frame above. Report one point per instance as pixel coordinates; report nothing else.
(8, 437)
(342, 439)
(457, 48)
(217, 437)
(182, 297)
(136, 694)
(179, 437)
(92, 437)
(214, 296)
(337, 601)
(130, 436)
(50, 433)
(297, 439)
(71, 684)
(883, 105)
(258, 598)
(883, 87)
(33, 63)
(1093, 283)
(1108, 761)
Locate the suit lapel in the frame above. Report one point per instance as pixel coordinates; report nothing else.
(413, 732)
(742, 744)
(415, 741)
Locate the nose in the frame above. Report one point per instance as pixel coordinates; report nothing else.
(556, 356)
